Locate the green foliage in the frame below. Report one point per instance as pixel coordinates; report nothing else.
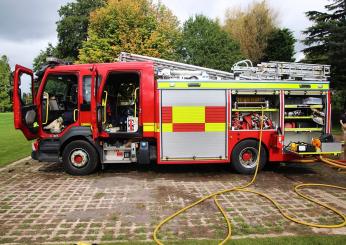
(5, 80)
(251, 27)
(338, 105)
(204, 43)
(280, 46)
(73, 26)
(39, 60)
(55, 86)
(326, 40)
(134, 26)
(72, 31)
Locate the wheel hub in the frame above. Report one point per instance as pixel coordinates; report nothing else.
(79, 158)
(248, 157)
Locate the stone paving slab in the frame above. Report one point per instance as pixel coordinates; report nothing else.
(40, 204)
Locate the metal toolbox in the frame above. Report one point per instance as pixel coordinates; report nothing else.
(331, 147)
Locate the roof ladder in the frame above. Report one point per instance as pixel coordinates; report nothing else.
(275, 70)
(242, 70)
(167, 69)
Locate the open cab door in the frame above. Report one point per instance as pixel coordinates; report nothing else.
(24, 106)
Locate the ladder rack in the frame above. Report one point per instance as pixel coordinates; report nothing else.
(242, 70)
(167, 69)
(275, 70)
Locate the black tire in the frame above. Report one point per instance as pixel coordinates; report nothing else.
(250, 147)
(80, 149)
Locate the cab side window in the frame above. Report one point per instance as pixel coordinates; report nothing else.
(85, 106)
(86, 93)
(25, 90)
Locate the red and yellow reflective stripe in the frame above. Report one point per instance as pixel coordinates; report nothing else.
(188, 127)
(215, 127)
(190, 119)
(188, 114)
(193, 127)
(167, 127)
(193, 114)
(215, 114)
(184, 127)
(193, 118)
(149, 127)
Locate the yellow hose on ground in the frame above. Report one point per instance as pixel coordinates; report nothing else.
(333, 162)
(328, 161)
(276, 204)
(213, 195)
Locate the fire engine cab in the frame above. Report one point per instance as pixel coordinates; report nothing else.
(147, 110)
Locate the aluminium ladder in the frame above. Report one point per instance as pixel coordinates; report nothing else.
(167, 69)
(242, 70)
(275, 70)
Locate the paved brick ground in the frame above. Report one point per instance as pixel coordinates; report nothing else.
(39, 203)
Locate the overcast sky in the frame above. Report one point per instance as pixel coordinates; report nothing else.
(26, 26)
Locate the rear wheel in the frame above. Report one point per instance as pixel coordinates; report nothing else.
(80, 158)
(244, 157)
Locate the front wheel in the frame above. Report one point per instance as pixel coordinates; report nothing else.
(244, 157)
(80, 158)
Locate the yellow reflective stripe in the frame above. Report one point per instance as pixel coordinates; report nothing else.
(188, 114)
(302, 129)
(215, 127)
(86, 124)
(149, 127)
(245, 85)
(320, 153)
(167, 127)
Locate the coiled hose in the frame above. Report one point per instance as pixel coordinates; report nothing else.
(243, 188)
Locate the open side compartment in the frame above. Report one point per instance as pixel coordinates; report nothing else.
(305, 117)
(247, 108)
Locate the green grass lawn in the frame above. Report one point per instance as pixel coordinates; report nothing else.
(13, 144)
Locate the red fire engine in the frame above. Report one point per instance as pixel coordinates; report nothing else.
(143, 110)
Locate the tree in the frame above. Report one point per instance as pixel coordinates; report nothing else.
(40, 59)
(326, 44)
(280, 46)
(134, 26)
(5, 78)
(326, 40)
(251, 28)
(73, 26)
(72, 31)
(204, 43)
